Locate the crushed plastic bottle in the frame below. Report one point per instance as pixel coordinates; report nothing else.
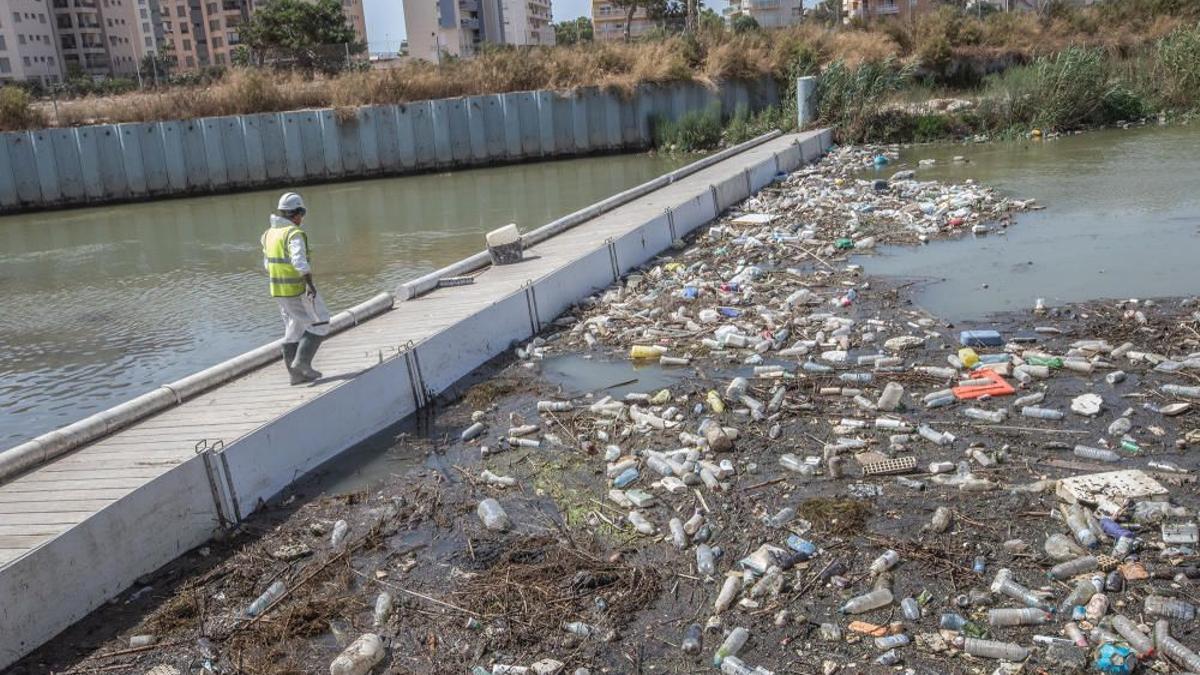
(360, 657)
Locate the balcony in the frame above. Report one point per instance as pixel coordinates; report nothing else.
(469, 24)
(765, 4)
(885, 8)
(468, 5)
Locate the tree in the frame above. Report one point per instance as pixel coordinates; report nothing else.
(743, 23)
(308, 35)
(573, 32)
(630, 7)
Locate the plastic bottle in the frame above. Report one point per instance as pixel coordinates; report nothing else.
(1075, 634)
(1174, 649)
(383, 608)
(646, 351)
(910, 608)
(1098, 454)
(868, 601)
(1003, 584)
(1070, 568)
(260, 604)
(554, 406)
(885, 562)
(994, 649)
(472, 431)
(640, 523)
(678, 536)
(728, 592)
(951, 621)
(890, 398)
(783, 517)
(1042, 413)
(1141, 643)
(693, 639)
(942, 518)
(1180, 390)
(626, 477)
(360, 657)
(1083, 591)
(1077, 521)
(340, 529)
(891, 641)
(991, 416)
(705, 564)
(1024, 616)
(732, 645)
(935, 437)
(1060, 547)
(1096, 608)
(856, 378)
(1170, 608)
(493, 516)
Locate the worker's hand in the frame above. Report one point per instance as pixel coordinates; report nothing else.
(311, 292)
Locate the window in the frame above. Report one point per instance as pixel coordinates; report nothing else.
(42, 18)
(211, 8)
(217, 43)
(142, 13)
(16, 17)
(187, 45)
(214, 24)
(181, 11)
(146, 27)
(149, 42)
(5, 65)
(20, 38)
(3, 44)
(189, 62)
(50, 60)
(68, 41)
(26, 60)
(183, 27)
(219, 59)
(110, 23)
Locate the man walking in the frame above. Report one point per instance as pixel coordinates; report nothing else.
(305, 318)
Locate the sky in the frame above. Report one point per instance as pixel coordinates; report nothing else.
(385, 19)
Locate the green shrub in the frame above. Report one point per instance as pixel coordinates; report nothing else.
(743, 126)
(17, 111)
(1179, 67)
(1121, 103)
(852, 99)
(696, 130)
(931, 128)
(1065, 91)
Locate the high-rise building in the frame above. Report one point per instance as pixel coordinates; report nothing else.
(28, 47)
(461, 27)
(608, 21)
(767, 13)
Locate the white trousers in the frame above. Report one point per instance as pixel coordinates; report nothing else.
(302, 313)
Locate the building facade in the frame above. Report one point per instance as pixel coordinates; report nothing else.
(28, 44)
(872, 10)
(608, 22)
(767, 13)
(461, 28)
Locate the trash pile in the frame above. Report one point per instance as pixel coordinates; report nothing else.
(833, 481)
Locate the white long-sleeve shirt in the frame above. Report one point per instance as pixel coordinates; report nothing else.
(296, 249)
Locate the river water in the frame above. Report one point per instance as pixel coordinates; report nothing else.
(1122, 220)
(98, 305)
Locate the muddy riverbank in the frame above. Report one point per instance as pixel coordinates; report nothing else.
(811, 453)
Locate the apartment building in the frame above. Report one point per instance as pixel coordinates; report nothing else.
(28, 48)
(608, 21)
(460, 28)
(767, 13)
(872, 10)
(98, 37)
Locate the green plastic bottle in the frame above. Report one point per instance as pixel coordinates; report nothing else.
(1051, 362)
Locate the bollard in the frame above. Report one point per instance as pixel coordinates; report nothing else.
(806, 101)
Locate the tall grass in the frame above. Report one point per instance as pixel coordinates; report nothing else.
(852, 99)
(16, 110)
(694, 131)
(1179, 67)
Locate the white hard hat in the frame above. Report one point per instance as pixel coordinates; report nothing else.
(290, 201)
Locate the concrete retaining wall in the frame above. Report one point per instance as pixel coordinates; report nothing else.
(52, 168)
(53, 586)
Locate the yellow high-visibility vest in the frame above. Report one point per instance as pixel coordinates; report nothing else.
(286, 280)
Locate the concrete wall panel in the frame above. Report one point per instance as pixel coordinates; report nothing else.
(256, 162)
(512, 126)
(730, 191)
(597, 112)
(545, 112)
(172, 140)
(475, 128)
(465, 345)
(350, 145)
(630, 134)
(312, 146)
(214, 153)
(612, 120)
(388, 122)
(579, 123)
(441, 132)
(266, 461)
(293, 146)
(559, 290)
(131, 153)
(44, 165)
(643, 243)
(274, 147)
(84, 567)
(66, 160)
(154, 158)
(406, 142)
(89, 168)
(8, 182)
(460, 131)
(527, 113)
(233, 149)
(110, 160)
(330, 146)
(564, 124)
(421, 113)
(693, 213)
(368, 136)
(494, 133)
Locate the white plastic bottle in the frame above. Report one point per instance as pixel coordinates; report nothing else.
(867, 602)
(273, 593)
(360, 657)
(493, 516)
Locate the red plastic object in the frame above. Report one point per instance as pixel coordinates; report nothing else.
(998, 387)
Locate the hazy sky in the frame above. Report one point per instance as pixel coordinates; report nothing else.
(385, 18)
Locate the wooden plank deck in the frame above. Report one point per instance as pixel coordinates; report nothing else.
(45, 502)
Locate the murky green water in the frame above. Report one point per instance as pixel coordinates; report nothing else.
(1122, 220)
(99, 305)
